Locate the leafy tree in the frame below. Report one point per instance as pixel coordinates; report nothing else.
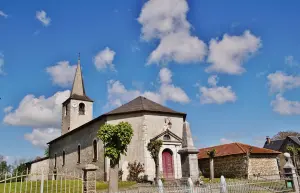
(211, 154)
(115, 138)
(135, 169)
(284, 134)
(20, 169)
(46, 153)
(4, 167)
(154, 148)
(294, 151)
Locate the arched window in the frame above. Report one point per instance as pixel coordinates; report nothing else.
(81, 109)
(64, 158)
(54, 160)
(95, 149)
(167, 137)
(78, 154)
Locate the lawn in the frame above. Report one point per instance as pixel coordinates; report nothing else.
(50, 186)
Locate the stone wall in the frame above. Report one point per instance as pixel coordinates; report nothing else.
(38, 168)
(233, 166)
(265, 165)
(83, 137)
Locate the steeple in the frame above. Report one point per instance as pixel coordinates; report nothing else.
(78, 86)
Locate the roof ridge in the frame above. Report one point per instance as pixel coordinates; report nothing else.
(142, 102)
(240, 146)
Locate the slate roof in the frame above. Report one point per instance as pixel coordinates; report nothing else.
(140, 104)
(78, 97)
(234, 149)
(295, 139)
(274, 144)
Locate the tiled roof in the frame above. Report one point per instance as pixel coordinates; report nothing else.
(234, 149)
(274, 144)
(142, 104)
(295, 139)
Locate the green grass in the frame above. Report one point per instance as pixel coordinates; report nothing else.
(49, 187)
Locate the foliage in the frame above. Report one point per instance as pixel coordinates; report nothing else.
(284, 134)
(211, 153)
(4, 167)
(116, 139)
(46, 153)
(120, 174)
(135, 169)
(293, 150)
(154, 147)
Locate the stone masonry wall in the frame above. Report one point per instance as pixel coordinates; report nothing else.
(39, 168)
(233, 166)
(69, 144)
(265, 165)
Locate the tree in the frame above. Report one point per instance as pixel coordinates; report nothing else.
(294, 151)
(284, 134)
(115, 138)
(46, 153)
(4, 167)
(154, 148)
(211, 154)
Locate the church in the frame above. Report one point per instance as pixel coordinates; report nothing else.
(78, 144)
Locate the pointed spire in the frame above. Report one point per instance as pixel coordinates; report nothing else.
(78, 86)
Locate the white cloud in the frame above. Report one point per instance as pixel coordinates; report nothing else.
(225, 141)
(42, 17)
(166, 20)
(214, 94)
(285, 107)
(38, 112)
(40, 137)
(3, 14)
(280, 82)
(290, 60)
(180, 47)
(7, 109)
(118, 94)
(229, 54)
(104, 59)
(62, 73)
(1, 63)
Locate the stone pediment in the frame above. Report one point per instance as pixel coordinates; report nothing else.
(168, 136)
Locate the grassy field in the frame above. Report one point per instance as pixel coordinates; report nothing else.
(53, 187)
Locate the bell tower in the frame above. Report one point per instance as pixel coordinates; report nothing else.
(78, 108)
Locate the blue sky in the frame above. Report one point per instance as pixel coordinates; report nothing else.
(231, 66)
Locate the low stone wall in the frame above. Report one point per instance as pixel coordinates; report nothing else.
(37, 169)
(264, 165)
(233, 166)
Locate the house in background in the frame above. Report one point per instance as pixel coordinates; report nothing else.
(281, 146)
(237, 160)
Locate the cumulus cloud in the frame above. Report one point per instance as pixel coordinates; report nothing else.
(216, 94)
(285, 107)
(62, 73)
(3, 14)
(7, 109)
(40, 137)
(280, 82)
(42, 17)
(118, 94)
(1, 63)
(166, 21)
(38, 112)
(104, 59)
(229, 54)
(290, 60)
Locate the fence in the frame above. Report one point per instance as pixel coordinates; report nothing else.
(42, 183)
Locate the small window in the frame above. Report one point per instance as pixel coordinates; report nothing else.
(167, 137)
(66, 110)
(81, 109)
(64, 158)
(78, 154)
(54, 160)
(95, 150)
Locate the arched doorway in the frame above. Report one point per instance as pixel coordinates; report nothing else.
(167, 163)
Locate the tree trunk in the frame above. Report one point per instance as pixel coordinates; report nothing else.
(211, 168)
(113, 178)
(156, 171)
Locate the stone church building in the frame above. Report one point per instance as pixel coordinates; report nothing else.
(78, 144)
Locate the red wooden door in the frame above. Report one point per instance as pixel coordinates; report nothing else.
(167, 162)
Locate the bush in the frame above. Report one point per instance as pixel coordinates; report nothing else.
(134, 171)
(120, 174)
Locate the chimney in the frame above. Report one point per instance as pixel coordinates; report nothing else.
(268, 140)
